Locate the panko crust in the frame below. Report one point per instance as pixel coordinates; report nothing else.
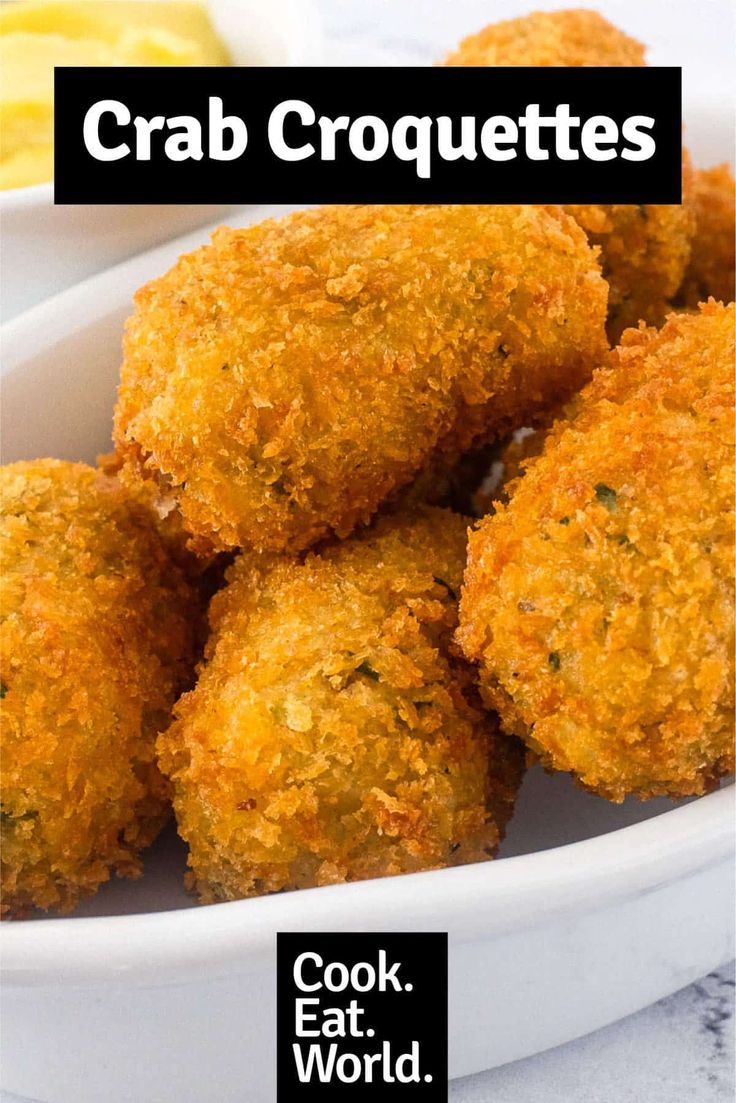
(644, 248)
(577, 38)
(281, 382)
(599, 602)
(712, 261)
(334, 734)
(95, 643)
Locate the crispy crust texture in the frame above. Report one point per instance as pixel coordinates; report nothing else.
(599, 602)
(711, 268)
(95, 643)
(283, 381)
(645, 250)
(576, 38)
(334, 735)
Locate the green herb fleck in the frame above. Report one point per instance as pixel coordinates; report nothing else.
(441, 582)
(618, 537)
(554, 660)
(3, 690)
(606, 496)
(367, 669)
(564, 520)
(9, 818)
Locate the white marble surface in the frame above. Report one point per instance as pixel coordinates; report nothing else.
(682, 1048)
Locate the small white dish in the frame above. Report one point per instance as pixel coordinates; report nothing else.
(593, 910)
(47, 248)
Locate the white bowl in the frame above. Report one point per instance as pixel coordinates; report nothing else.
(47, 248)
(593, 911)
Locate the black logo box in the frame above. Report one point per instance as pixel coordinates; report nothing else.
(417, 1013)
(259, 176)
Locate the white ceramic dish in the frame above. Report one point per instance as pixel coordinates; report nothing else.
(47, 248)
(592, 912)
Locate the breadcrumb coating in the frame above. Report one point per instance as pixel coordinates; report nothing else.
(599, 602)
(645, 251)
(712, 261)
(95, 643)
(334, 734)
(645, 248)
(283, 381)
(577, 38)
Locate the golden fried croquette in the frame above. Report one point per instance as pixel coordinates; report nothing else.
(599, 602)
(711, 268)
(95, 643)
(645, 248)
(333, 734)
(205, 573)
(168, 523)
(568, 38)
(281, 382)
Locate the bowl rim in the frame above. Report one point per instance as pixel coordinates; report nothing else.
(33, 195)
(473, 902)
(41, 325)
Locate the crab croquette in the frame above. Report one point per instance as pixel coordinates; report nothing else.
(644, 248)
(334, 733)
(710, 272)
(599, 603)
(280, 383)
(96, 642)
(575, 38)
